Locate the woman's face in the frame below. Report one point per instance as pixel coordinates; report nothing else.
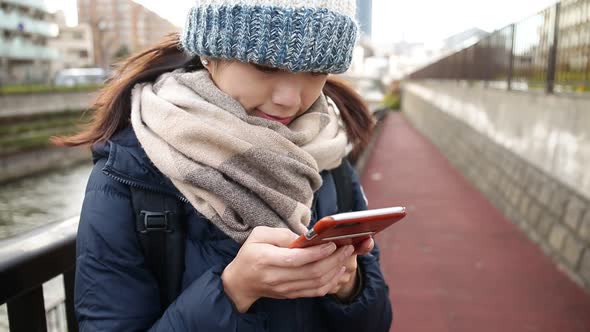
(269, 93)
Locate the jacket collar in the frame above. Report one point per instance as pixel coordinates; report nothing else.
(127, 162)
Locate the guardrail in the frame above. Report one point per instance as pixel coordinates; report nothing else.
(549, 50)
(29, 260)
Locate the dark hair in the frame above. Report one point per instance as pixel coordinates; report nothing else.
(112, 107)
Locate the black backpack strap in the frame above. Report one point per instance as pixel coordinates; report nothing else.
(343, 182)
(162, 236)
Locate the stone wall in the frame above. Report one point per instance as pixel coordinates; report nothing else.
(28, 163)
(28, 104)
(553, 213)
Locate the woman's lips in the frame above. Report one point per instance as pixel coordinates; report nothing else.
(284, 121)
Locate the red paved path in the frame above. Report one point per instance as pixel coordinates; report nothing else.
(456, 263)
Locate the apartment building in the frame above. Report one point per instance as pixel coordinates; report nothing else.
(74, 45)
(120, 27)
(25, 28)
(364, 15)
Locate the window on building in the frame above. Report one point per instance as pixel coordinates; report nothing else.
(83, 54)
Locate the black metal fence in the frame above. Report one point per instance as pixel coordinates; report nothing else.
(549, 50)
(29, 260)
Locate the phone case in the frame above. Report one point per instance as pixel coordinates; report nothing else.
(349, 228)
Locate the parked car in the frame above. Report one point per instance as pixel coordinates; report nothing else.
(80, 76)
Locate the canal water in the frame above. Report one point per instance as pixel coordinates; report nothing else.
(41, 199)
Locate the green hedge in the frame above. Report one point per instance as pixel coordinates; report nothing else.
(20, 128)
(19, 134)
(30, 142)
(391, 101)
(45, 88)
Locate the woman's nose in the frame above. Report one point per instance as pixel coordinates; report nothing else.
(287, 93)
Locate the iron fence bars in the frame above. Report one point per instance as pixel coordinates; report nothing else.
(532, 50)
(552, 41)
(573, 48)
(29, 260)
(26, 312)
(510, 41)
(495, 59)
(69, 302)
(547, 51)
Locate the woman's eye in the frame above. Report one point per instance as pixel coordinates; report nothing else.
(266, 69)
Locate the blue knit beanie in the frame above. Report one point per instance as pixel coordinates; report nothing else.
(298, 35)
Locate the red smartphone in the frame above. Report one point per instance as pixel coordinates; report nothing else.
(349, 228)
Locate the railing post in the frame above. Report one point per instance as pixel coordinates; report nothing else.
(511, 57)
(487, 41)
(69, 291)
(26, 313)
(552, 61)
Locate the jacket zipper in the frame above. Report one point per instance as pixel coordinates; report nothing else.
(143, 187)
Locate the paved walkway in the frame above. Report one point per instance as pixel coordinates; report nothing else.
(456, 263)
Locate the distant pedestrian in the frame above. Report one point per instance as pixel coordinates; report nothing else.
(227, 137)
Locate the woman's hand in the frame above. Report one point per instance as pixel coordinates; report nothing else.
(348, 282)
(266, 267)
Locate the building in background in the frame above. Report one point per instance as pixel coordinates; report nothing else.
(462, 40)
(121, 27)
(25, 28)
(364, 49)
(74, 45)
(364, 14)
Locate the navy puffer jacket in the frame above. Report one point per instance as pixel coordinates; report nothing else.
(116, 292)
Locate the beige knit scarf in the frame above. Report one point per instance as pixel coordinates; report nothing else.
(239, 171)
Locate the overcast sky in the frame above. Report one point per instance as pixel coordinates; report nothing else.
(393, 20)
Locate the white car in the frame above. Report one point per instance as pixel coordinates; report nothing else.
(80, 76)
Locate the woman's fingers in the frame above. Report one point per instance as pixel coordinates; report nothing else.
(298, 257)
(280, 237)
(365, 247)
(276, 271)
(319, 291)
(287, 289)
(278, 253)
(265, 266)
(345, 279)
(313, 270)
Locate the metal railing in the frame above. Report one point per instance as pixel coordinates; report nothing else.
(29, 260)
(549, 50)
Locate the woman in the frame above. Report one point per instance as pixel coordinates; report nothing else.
(237, 120)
